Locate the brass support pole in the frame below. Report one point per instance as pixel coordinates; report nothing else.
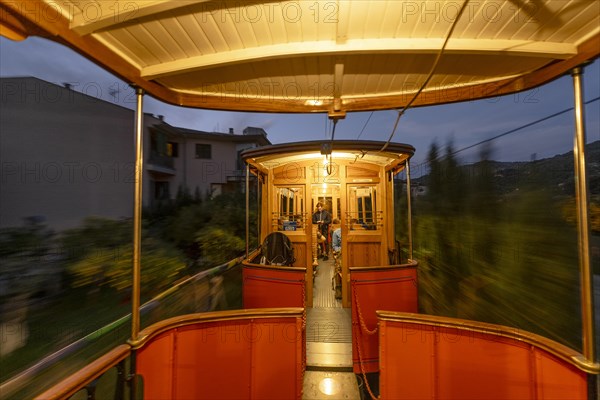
(258, 208)
(409, 211)
(247, 211)
(137, 216)
(583, 221)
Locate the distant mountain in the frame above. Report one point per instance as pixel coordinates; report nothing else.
(555, 172)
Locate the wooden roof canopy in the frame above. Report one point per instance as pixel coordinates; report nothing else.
(390, 156)
(319, 56)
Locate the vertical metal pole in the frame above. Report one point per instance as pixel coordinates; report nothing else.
(582, 197)
(258, 207)
(137, 217)
(247, 211)
(392, 211)
(409, 212)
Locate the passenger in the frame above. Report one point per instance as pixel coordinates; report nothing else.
(356, 225)
(323, 219)
(336, 236)
(336, 246)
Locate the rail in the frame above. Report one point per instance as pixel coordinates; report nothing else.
(256, 353)
(20, 385)
(261, 344)
(89, 374)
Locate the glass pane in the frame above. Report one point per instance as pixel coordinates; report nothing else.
(362, 208)
(290, 209)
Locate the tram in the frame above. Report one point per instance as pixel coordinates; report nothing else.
(332, 57)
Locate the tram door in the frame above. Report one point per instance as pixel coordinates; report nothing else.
(328, 194)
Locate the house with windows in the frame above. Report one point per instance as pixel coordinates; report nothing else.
(207, 163)
(66, 155)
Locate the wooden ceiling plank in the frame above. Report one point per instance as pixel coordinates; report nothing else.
(106, 14)
(409, 46)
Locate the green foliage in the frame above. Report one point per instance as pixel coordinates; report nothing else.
(95, 235)
(32, 239)
(499, 256)
(218, 245)
(226, 212)
(101, 253)
(24, 269)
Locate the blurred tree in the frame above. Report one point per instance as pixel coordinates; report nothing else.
(33, 239)
(218, 245)
(23, 271)
(226, 212)
(501, 257)
(100, 255)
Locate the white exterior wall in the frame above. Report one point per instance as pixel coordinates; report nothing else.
(65, 156)
(206, 172)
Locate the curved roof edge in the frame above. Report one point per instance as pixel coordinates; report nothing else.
(328, 145)
(340, 71)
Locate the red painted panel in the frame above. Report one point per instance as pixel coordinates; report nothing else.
(557, 379)
(273, 287)
(398, 377)
(251, 358)
(393, 289)
(472, 366)
(429, 361)
(277, 356)
(212, 361)
(154, 364)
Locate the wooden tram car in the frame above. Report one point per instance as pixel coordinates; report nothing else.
(354, 180)
(217, 55)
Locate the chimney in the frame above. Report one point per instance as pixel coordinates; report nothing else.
(231, 131)
(161, 117)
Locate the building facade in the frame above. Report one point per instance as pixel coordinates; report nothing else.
(65, 156)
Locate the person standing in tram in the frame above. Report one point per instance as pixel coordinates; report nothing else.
(322, 218)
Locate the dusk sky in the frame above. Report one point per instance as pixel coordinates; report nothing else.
(464, 123)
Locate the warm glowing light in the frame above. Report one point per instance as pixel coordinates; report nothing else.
(314, 102)
(329, 386)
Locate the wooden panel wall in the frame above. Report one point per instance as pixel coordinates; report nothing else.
(364, 254)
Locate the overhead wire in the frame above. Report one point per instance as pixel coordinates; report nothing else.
(527, 125)
(431, 72)
(329, 166)
(365, 125)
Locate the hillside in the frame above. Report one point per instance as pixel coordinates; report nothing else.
(555, 172)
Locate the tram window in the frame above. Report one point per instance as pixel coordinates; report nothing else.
(362, 211)
(289, 215)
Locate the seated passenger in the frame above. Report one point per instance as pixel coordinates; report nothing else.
(356, 225)
(336, 236)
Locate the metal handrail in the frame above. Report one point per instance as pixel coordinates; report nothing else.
(18, 381)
